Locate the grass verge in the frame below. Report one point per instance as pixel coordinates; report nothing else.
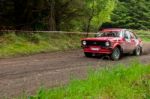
(145, 35)
(119, 82)
(12, 44)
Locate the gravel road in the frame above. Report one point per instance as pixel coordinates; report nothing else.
(27, 74)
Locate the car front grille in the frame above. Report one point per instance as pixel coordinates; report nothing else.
(96, 43)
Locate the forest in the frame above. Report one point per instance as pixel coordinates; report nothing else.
(74, 15)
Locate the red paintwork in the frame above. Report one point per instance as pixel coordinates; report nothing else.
(101, 51)
(115, 41)
(112, 29)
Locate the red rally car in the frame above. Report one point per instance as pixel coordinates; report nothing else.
(112, 42)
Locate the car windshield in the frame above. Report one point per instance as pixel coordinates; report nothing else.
(108, 34)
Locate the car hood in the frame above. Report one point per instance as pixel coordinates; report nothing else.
(101, 39)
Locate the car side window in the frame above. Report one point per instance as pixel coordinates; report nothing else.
(127, 35)
(132, 35)
(135, 35)
(122, 33)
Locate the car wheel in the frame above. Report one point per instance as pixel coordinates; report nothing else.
(138, 51)
(116, 54)
(88, 54)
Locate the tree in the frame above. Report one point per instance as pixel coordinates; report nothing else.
(133, 14)
(68, 15)
(98, 11)
(51, 15)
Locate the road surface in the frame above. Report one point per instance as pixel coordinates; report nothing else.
(29, 73)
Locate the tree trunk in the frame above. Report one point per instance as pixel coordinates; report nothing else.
(51, 20)
(88, 26)
(90, 19)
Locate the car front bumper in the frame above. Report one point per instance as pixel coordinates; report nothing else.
(98, 50)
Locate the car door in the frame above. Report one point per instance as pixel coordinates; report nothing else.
(134, 41)
(127, 42)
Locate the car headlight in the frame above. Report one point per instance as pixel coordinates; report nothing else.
(84, 42)
(107, 43)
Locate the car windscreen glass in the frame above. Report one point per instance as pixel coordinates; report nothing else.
(108, 34)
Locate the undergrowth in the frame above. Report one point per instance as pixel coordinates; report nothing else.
(12, 44)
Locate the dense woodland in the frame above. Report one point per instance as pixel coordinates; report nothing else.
(74, 15)
(134, 14)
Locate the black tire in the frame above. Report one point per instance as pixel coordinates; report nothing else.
(116, 54)
(88, 54)
(137, 51)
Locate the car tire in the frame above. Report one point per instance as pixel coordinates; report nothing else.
(116, 54)
(88, 54)
(137, 51)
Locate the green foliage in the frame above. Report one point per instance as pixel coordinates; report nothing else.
(103, 14)
(132, 14)
(98, 11)
(74, 15)
(119, 82)
(68, 15)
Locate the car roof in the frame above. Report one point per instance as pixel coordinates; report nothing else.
(113, 29)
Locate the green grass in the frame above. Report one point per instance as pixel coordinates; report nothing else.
(25, 44)
(145, 35)
(119, 82)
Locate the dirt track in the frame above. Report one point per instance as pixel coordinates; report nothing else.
(51, 69)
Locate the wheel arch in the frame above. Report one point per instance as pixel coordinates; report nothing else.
(141, 48)
(118, 46)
